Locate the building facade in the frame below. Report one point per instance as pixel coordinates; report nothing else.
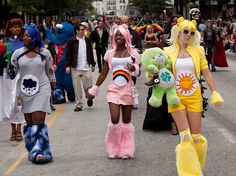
(111, 7)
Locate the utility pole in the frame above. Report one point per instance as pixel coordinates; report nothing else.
(4, 12)
(235, 9)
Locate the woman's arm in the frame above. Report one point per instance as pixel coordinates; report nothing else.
(48, 67)
(156, 40)
(13, 70)
(145, 38)
(216, 98)
(102, 76)
(209, 79)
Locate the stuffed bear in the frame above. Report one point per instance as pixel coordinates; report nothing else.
(156, 62)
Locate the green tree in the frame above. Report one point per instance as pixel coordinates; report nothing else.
(151, 6)
(48, 6)
(179, 5)
(234, 8)
(220, 5)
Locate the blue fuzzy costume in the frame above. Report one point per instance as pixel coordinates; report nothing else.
(37, 143)
(64, 81)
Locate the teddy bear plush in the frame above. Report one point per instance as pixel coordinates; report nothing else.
(156, 63)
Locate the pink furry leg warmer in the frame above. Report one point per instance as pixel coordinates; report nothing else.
(127, 145)
(112, 140)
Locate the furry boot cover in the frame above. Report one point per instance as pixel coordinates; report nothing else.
(40, 152)
(127, 145)
(27, 137)
(187, 161)
(200, 145)
(112, 140)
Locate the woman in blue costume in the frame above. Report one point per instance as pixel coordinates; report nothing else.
(33, 92)
(8, 110)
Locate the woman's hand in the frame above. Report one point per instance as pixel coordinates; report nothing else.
(130, 67)
(54, 67)
(93, 91)
(67, 69)
(19, 102)
(217, 105)
(216, 99)
(93, 68)
(10, 69)
(53, 85)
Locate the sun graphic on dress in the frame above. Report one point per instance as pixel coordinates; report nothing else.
(186, 83)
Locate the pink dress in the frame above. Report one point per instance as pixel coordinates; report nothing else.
(119, 90)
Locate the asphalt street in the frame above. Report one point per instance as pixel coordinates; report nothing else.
(77, 139)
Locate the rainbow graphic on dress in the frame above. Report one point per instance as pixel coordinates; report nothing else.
(120, 77)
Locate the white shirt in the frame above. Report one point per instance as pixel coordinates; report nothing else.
(186, 79)
(82, 63)
(120, 74)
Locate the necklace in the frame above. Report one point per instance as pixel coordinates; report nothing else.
(122, 54)
(183, 54)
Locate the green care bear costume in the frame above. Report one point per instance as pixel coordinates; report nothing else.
(156, 62)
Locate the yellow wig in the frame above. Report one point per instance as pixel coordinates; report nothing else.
(179, 27)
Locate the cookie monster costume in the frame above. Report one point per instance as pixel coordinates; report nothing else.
(62, 34)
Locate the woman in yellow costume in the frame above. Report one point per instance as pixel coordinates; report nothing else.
(188, 63)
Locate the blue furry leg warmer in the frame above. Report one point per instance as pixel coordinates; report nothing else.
(38, 144)
(27, 137)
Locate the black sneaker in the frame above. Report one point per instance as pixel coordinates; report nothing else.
(77, 109)
(213, 68)
(90, 103)
(53, 107)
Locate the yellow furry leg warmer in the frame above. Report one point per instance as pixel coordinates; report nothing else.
(200, 144)
(187, 161)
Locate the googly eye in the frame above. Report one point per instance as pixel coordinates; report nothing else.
(59, 26)
(156, 81)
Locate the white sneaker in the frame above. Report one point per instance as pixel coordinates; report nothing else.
(125, 157)
(111, 156)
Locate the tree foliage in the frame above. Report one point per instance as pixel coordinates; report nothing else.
(48, 6)
(223, 1)
(218, 1)
(151, 6)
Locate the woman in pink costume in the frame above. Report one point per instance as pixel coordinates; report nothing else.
(124, 62)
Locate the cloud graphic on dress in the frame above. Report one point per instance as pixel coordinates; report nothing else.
(29, 83)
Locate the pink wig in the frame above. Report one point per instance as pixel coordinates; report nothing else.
(126, 34)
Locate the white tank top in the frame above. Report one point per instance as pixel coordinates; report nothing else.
(186, 79)
(120, 74)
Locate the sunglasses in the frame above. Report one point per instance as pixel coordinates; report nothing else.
(186, 32)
